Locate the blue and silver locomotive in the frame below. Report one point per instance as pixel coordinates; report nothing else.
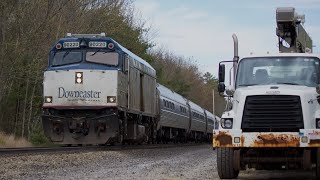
(97, 92)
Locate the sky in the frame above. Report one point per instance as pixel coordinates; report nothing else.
(202, 29)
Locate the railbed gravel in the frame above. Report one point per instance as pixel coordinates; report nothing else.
(188, 162)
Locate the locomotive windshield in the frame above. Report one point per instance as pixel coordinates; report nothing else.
(99, 56)
(66, 57)
(108, 58)
(278, 70)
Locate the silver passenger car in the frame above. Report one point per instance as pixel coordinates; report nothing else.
(198, 120)
(174, 110)
(210, 122)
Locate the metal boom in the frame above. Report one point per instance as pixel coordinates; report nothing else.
(292, 37)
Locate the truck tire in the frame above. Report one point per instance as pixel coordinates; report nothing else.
(318, 163)
(225, 163)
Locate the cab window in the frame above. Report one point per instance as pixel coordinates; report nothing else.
(108, 58)
(66, 57)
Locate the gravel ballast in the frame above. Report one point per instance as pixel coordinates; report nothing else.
(189, 162)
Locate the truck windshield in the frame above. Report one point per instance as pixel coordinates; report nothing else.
(278, 70)
(66, 57)
(108, 58)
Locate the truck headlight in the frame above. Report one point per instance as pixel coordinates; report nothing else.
(227, 123)
(317, 123)
(111, 99)
(48, 99)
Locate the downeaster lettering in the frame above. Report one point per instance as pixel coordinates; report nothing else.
(78, 94)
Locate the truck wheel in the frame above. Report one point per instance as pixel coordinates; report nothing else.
(318, 163)
(225, 163)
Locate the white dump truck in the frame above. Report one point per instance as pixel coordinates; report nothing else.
(272, 119)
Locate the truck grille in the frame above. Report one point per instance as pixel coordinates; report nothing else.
(272, 113)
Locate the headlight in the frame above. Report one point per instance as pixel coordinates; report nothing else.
(79, 77)
(111, 99)
(227, 123)
(79, 80)
(48, 99)
(317, 123)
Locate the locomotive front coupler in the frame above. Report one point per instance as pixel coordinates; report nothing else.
(101, 122)
(57, 123)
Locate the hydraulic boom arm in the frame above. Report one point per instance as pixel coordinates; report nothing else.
(291, 34)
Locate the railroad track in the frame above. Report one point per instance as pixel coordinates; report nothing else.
(36, 150)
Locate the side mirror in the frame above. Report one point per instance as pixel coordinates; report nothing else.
(318, 88)
(222, 69)
(221, 87)
(230, 91)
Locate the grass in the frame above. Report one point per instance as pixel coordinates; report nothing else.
(9, 141)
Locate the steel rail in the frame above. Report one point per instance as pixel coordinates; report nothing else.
(36, 150)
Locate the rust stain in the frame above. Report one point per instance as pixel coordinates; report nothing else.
(276, 140)
(314, 144)
(223, 139)
(242, 139)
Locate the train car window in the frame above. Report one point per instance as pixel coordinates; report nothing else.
(164, 102)
(108, 58)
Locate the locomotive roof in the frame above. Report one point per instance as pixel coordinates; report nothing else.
(168, 93)
(150, 70)
(137, 58)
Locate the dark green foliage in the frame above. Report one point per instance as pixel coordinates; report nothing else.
(37, 138)
(29, 28)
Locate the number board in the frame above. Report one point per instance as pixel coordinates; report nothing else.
(96, 44)
(71, 44)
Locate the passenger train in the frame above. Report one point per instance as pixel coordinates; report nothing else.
(98, 92)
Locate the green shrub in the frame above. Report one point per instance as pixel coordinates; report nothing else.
(37, 138)
(2, 142)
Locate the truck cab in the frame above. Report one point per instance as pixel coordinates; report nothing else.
(272, 119)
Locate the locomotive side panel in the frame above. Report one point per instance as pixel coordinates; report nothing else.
(149, 94)
(142, 89)
(134, 87)
(122, 90)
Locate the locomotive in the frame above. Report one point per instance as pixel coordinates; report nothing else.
(98, 92)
